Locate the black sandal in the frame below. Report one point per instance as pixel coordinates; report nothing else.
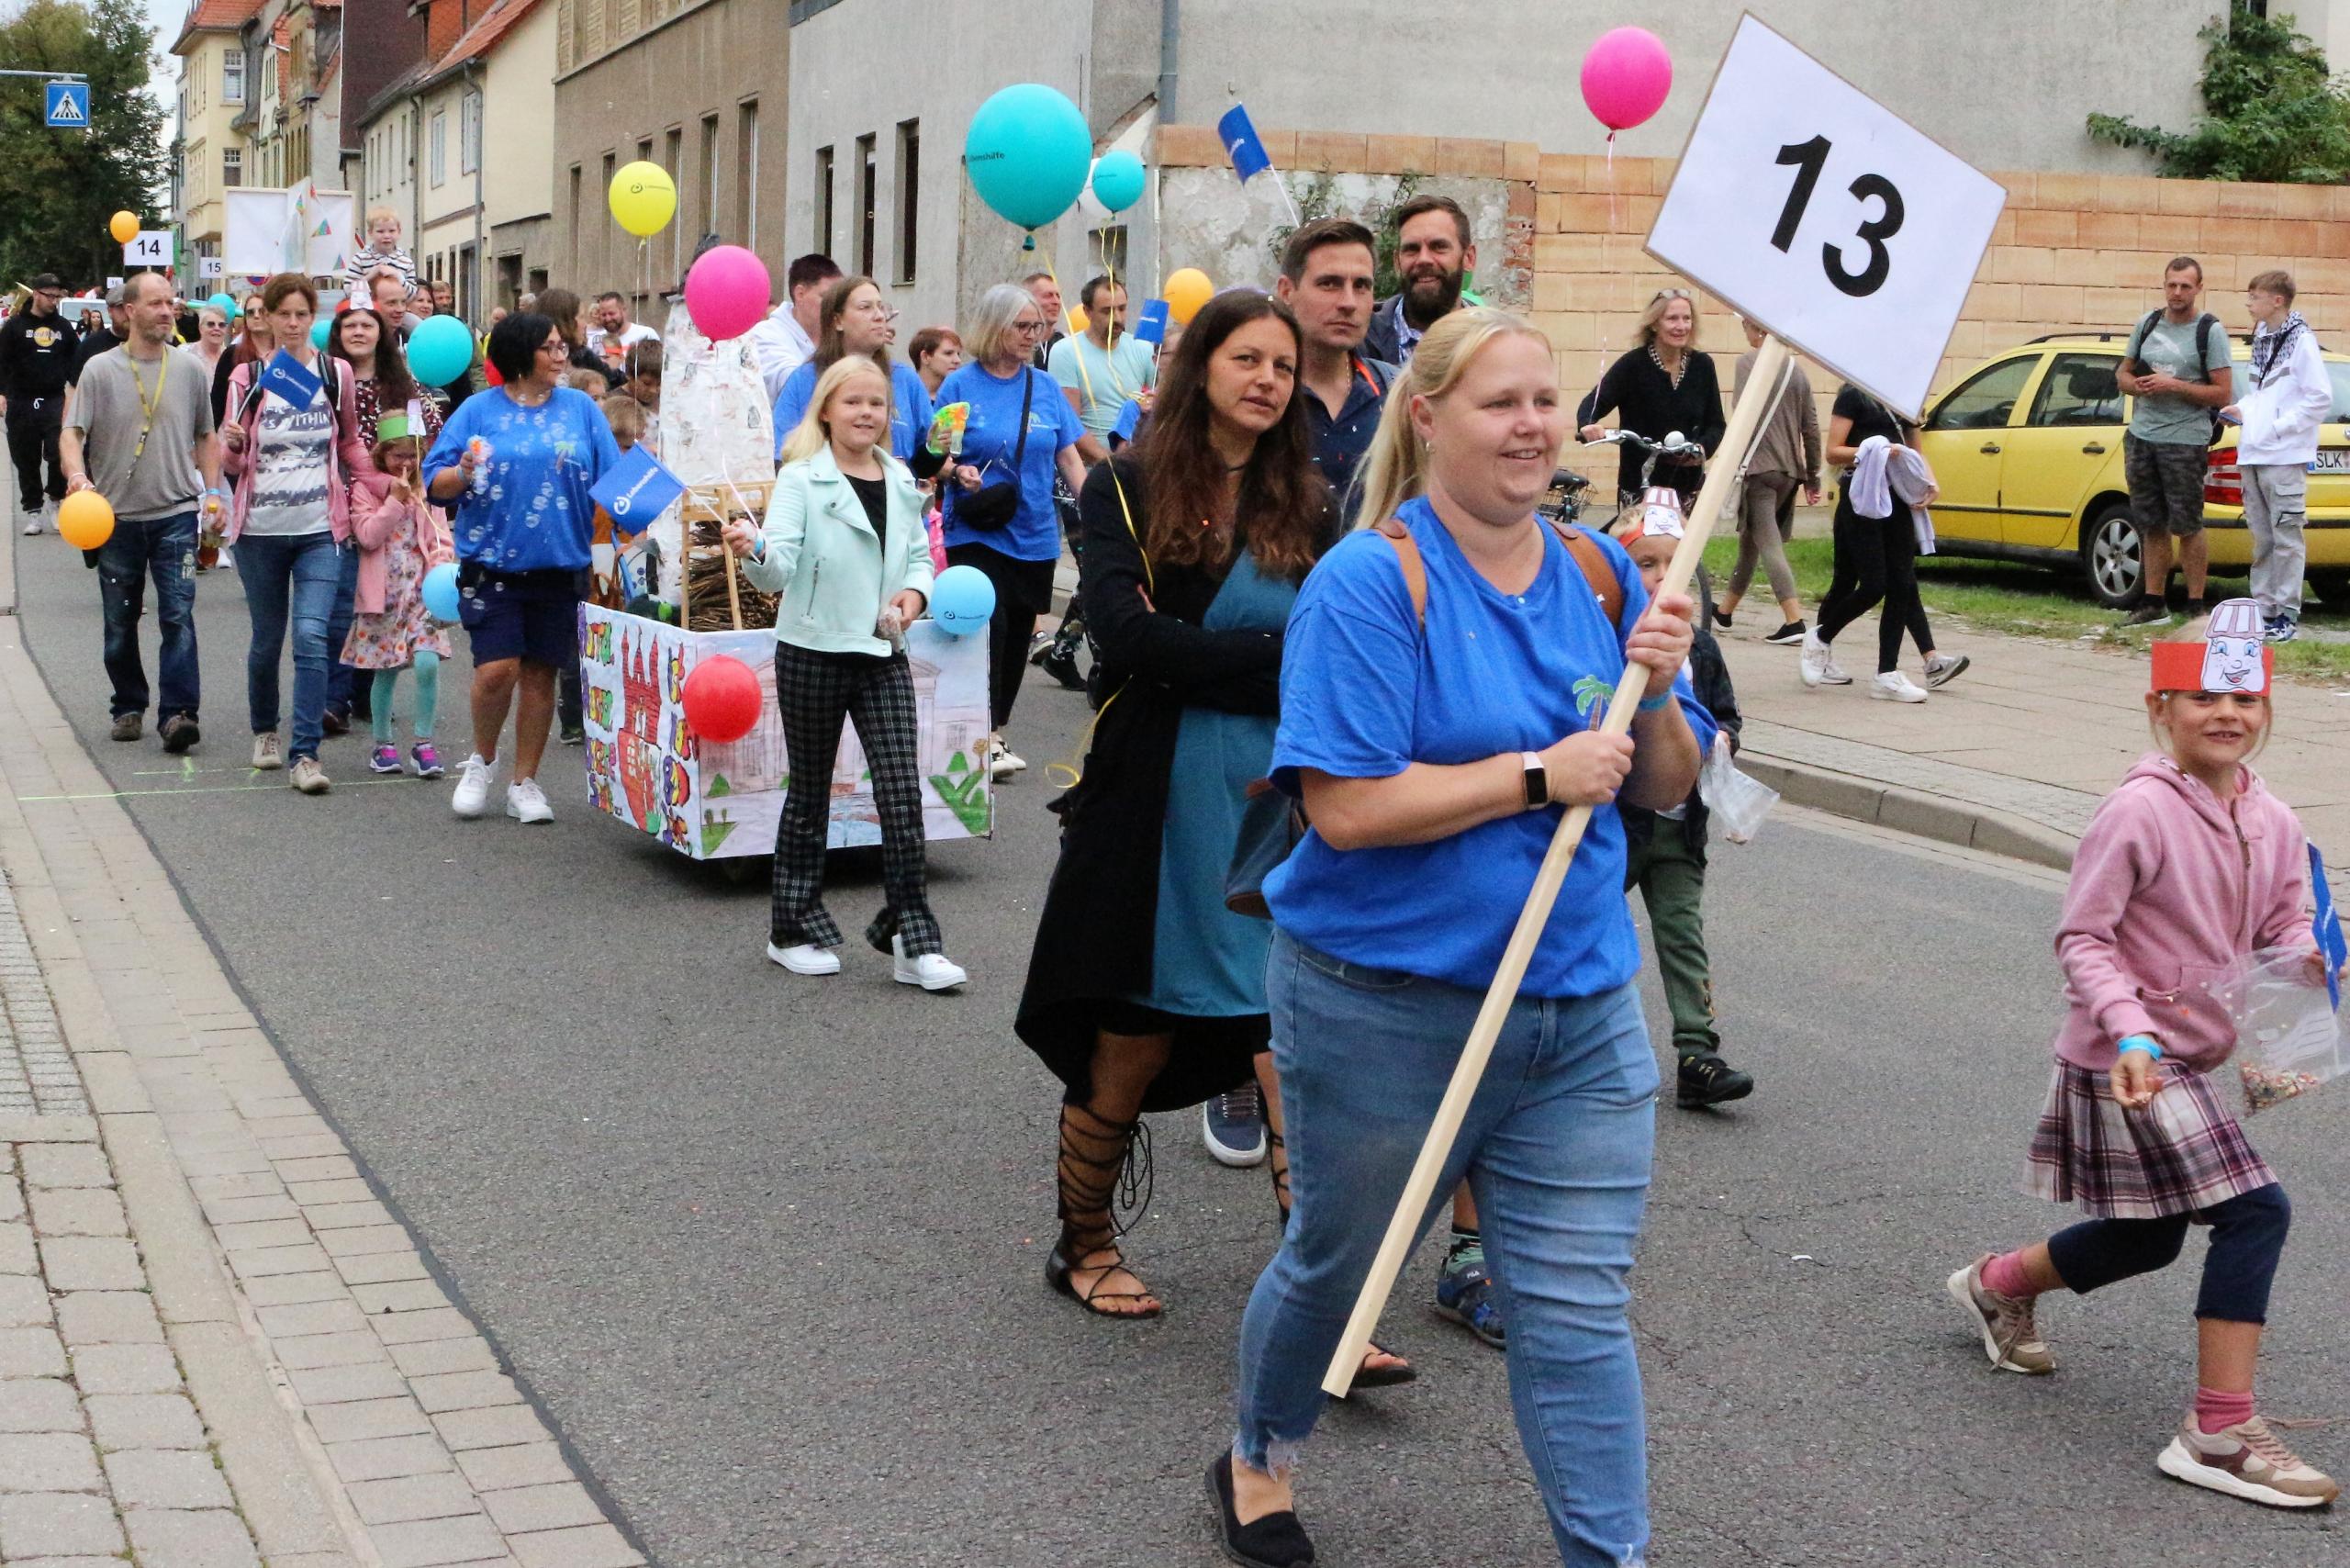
(1366, 1375)
(1098, 1165)
(1276, 1541)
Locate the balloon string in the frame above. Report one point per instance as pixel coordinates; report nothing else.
(1068, 322)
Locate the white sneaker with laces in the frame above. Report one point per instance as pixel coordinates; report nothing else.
(932, 971)
(268, 755)
(1815, 659)
(1895, 687)
(1832, 674)
(471, 797)
(308, 777)
(1002, 763)
(806, 958)
(2245, 1460)
(526, 803)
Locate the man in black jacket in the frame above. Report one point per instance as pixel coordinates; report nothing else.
(37, 354)
(113, 335)
(1434, 254)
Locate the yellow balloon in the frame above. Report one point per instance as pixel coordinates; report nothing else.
(643, 199)
(1185, 292)
(85, 521)
(124, 226)
(1078, 320)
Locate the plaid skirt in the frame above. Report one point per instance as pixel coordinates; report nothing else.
(2183, 1152)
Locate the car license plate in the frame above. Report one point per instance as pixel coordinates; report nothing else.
(2331, 460)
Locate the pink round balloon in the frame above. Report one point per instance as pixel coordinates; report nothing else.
(1625, 77)
(727, 291)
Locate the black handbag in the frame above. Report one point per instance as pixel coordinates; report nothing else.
(991, 507)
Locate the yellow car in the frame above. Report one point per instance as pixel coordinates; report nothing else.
(2027, 449)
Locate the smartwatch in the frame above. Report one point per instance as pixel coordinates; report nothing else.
(1538, 782)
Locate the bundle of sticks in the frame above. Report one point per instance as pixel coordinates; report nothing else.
(710, 607)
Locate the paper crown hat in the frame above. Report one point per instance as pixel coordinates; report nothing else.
(1651, 521)
(2231, 655)
(393, 427)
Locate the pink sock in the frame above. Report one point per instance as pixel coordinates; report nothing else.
(2005, 1275)
(2216, 1412)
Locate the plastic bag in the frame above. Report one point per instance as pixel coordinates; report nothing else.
(1739, 802)
(2289, 1039)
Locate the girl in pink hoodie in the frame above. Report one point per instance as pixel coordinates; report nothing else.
(400, 538)
(2188, 866)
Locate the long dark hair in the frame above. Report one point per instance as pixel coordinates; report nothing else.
(394, 386)
(1283, 504)
(831, 342)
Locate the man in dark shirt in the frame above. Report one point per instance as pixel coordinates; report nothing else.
(115, 332)
(38, 356)
(1326, 271)
(1434, 256)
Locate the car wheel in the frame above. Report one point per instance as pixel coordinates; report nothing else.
(2112, 556)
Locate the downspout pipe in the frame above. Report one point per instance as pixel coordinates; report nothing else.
(481, 162)
(1170, 34)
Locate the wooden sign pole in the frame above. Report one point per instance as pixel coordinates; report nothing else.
(1403, 1228)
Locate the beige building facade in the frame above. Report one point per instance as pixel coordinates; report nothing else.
(214, 91)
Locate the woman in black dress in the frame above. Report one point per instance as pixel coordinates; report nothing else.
(1662, 384)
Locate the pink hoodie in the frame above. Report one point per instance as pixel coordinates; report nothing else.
(2171, 885)
(377, 517)
(347, 454)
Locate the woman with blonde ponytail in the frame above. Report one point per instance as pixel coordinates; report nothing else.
(1442, 681)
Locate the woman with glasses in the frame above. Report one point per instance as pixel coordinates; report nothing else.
(256, 342)
(211, 338)
(999, 513)
(517, 462)
(1662, 384)
(853, 320)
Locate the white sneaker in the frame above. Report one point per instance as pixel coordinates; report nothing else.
(1832, 674)
(1814, 660)
(1002, 763)
(268, 755)
(526, 803)
(932, 971)
(308, 777)
(472, 795)
(807, 958)
(1895, 687)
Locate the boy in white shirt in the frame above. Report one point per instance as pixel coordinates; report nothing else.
(2291, 396)
(382, 253)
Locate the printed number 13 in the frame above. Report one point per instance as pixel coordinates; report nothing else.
(1808, 158)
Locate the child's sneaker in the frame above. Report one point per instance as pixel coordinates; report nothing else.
(2245, 1460)
(2010, 1336)
(426, 760)
(1464, 1292)
(2282, 629)
(383, 759)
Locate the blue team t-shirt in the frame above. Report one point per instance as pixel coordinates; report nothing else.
(1364, 694)
(988, 439)
(910, 408)
(534, 512)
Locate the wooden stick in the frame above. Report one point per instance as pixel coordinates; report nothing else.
(733, 592)
(1403, 1229)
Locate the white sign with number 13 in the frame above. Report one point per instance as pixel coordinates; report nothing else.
(1826, 218)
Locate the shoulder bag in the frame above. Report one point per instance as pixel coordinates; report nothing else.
(991, 507)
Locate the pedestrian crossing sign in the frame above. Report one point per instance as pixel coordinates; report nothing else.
(69, 105)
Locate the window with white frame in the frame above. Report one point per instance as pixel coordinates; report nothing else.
(440, 145)
(233, 76)
(232, 167)
(469, 133)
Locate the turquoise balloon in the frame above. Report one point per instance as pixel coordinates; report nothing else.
(961, 600)
(1029, 153)
(320, 330)
(439, 351)
(1118, 180)
(225, 304)
(440, 595)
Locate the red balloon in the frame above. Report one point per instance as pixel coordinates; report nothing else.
(722, 699)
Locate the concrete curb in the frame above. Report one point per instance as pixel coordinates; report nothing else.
(1937, 817)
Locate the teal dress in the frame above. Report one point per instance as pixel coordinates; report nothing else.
(1207, 962)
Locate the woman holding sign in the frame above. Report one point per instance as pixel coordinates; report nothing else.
(1442, 685)
(292, 444)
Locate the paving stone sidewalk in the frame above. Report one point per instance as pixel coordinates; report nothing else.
(219, 1347)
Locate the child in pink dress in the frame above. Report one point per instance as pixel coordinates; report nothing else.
(399, 538)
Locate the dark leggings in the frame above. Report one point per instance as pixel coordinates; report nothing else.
(2248, 1237)
(1876, 560)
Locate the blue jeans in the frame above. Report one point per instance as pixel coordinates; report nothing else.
(298, 572)
(164, 547)
(1556, 1144)
(346, 594)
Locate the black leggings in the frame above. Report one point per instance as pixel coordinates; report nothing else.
(1876, 560)
(2247, 1238)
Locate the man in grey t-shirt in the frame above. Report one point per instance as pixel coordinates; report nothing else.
(2177, 367)
(139, 432)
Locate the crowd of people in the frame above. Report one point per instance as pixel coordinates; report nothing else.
(1347, 676)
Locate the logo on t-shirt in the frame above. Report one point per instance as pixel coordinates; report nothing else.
(44, 337)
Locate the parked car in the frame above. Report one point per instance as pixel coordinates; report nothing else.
(2027, 452)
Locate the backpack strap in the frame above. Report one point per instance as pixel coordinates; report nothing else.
(2203, 325)
(1588, 557)
(1407, 556)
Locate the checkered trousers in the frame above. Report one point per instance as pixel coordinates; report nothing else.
(2185, 1151)
(816, 692)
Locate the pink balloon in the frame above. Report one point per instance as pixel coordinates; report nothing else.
(1625, 77)
(727, 291)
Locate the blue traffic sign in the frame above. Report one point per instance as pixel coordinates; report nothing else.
(69, 104)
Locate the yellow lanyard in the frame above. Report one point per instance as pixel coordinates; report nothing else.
(147, 410)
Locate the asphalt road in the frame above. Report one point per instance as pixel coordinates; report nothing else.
(769, 1250)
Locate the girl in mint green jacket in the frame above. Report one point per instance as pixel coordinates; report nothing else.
(845, 545)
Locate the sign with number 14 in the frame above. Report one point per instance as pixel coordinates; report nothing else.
(1826, 218)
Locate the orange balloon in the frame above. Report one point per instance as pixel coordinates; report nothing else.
(85, 521)
(1078, 320)
(1185, 292)
(124, 226)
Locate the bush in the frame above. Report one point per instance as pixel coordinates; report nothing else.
(1319, 200)
(2275, 114)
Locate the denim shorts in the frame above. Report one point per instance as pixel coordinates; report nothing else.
(521, 615)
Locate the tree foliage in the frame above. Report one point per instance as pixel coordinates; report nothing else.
(2272, 112)
(59, 187)
(1319, 200)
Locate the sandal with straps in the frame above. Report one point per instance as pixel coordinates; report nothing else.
(1097, 1165)
(1366, 1375)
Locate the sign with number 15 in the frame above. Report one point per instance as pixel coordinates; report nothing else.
(1826, 218)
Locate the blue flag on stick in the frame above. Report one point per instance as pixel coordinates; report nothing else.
(285, 376)
(2326, 926)
(636, 490)
(1242, 144)
(1152, 328)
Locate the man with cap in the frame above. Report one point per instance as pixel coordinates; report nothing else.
(37, 354)
(115, 332)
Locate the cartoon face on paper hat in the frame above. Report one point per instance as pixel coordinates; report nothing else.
(2233, 654)
(1651, 519)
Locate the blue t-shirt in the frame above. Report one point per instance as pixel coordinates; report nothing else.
(989, 438)
(1364, 694)
(910, 408)
(534, 512)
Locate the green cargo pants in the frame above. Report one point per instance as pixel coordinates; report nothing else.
(1671, 875)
